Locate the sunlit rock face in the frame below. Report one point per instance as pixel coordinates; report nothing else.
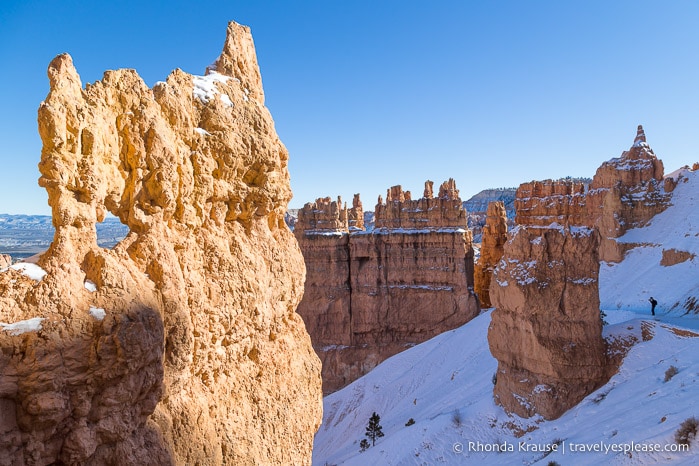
(494, 236)
(370, 295)
(546, 331)
(180, 345)
(626, 192)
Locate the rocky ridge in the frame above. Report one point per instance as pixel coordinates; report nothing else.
(181, 344)
(370, 295)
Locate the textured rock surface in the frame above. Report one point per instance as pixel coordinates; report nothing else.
(540, 203)
(400, 211)
(477, 209)
(625, 193)
(181, 344)
(546, 331)
(492, 249)
(323, 215)
(355, 215)
(674, 256)
(371, 295)
(5, 261)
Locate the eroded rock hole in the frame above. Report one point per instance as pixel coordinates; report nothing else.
(110, 232)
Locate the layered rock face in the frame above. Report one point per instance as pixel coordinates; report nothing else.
(370, 295)
(180, 345)
(400, 211)
(546, 331)
(625, 193)
(544, 202)
(494, 237)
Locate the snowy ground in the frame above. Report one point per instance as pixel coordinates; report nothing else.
(445, 384)
(629, 284)
(450, 378)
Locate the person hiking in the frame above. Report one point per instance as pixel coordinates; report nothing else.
(653, 303)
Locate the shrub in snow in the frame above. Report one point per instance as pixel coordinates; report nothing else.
(363, 445)
(687, 431)
(456, 418)
(410, 422)
(670, 373)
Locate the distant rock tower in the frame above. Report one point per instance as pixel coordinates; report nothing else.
(493, 241)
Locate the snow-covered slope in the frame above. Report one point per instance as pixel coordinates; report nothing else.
(445, 384)
(629, 284)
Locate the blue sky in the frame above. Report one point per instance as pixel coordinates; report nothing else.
(369, 94)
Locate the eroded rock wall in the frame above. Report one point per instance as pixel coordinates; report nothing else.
(546, 331)
(626, 192)
(370, 295)
(494, 236)
(180, 345)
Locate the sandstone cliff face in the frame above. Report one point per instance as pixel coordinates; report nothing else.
(492, 249)
(540, 203)
(625, 193)
(400, 211)
(546, 331)
(5, 261)
(180, 345)
(370, 295)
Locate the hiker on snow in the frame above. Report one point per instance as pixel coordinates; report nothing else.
(653, 303)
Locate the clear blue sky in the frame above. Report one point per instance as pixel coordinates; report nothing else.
(369, 94)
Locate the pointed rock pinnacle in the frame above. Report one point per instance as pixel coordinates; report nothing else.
(640, 135)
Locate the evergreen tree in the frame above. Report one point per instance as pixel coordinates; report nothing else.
(374, 429)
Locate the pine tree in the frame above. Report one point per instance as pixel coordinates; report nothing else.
(374, 429)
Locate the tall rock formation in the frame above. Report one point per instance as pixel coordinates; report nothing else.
(181, 344)
(625, 193)
(355, 215)
(546, 331)
(370, 295)
(494, 237)
(5, 261)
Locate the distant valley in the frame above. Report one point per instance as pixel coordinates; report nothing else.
(22, 236)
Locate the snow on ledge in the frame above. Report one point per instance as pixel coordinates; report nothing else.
(205, 88)
(23, 326)
(97, 312)
(90, 286)
(32, 271)
(416, 231)
(325, 233)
